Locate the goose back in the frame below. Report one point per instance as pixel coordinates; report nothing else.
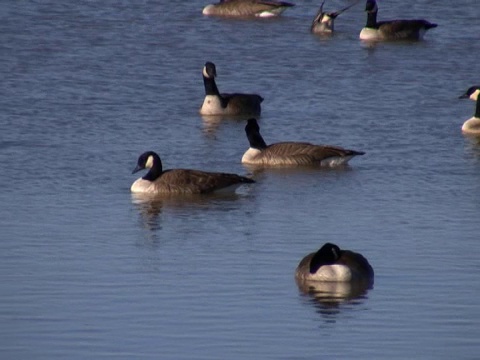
(247, 8)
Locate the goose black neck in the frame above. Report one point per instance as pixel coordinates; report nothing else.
(210, 86)
(477, 109)
(155, 171)
(256, 140)
(371, 20)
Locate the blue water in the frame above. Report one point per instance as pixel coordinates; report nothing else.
(88, 271)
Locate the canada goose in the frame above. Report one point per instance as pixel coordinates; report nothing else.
(472, 125)
(323, 23)
(393, 29)
(180, 181)
(332, 264)
(245, 8)
(291, 153)
(226, 104)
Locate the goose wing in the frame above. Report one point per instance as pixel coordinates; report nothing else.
(198, 182)
(403, 28)
(242, 102)
(306, 153)
(356, 262)
(301, 153)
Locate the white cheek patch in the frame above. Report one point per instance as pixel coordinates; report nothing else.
(149, 163)
(475, 94)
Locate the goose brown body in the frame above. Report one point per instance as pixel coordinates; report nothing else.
(330, 263)
(292, 153)
(181, 181)
(247, 8)
(472, 125)
(234, 104)
(392, 30)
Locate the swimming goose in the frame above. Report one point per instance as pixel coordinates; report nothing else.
(332, 264)
(291, 153)
(393, 29)
(226, 104)
(180, 181)
(246, 8)
(323, 23)
(472, 125)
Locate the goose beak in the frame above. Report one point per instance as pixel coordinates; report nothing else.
(137, 169)
(464, 96)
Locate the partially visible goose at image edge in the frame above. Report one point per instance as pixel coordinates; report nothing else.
(247, 8)
(472, 125)
(330, 263)
(392, 29)
(181, 181)
(292, 153)
(323, 23)
(234, 104)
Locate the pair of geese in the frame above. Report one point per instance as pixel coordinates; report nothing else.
(323, 22)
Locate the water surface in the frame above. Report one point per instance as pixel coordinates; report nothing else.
(88, 271)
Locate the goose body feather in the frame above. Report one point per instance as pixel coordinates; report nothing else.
(392, 30)
(292, 153)
(472, 125)
(181, 181)
(330, 264)
(247, 8)
(234, 104)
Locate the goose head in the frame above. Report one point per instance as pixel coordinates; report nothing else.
(209, 70)
(471, 93)
(148, 160)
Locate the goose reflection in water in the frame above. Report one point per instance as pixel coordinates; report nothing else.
(472, 146)
(330, 297)
(212, 123)
(151, 207)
